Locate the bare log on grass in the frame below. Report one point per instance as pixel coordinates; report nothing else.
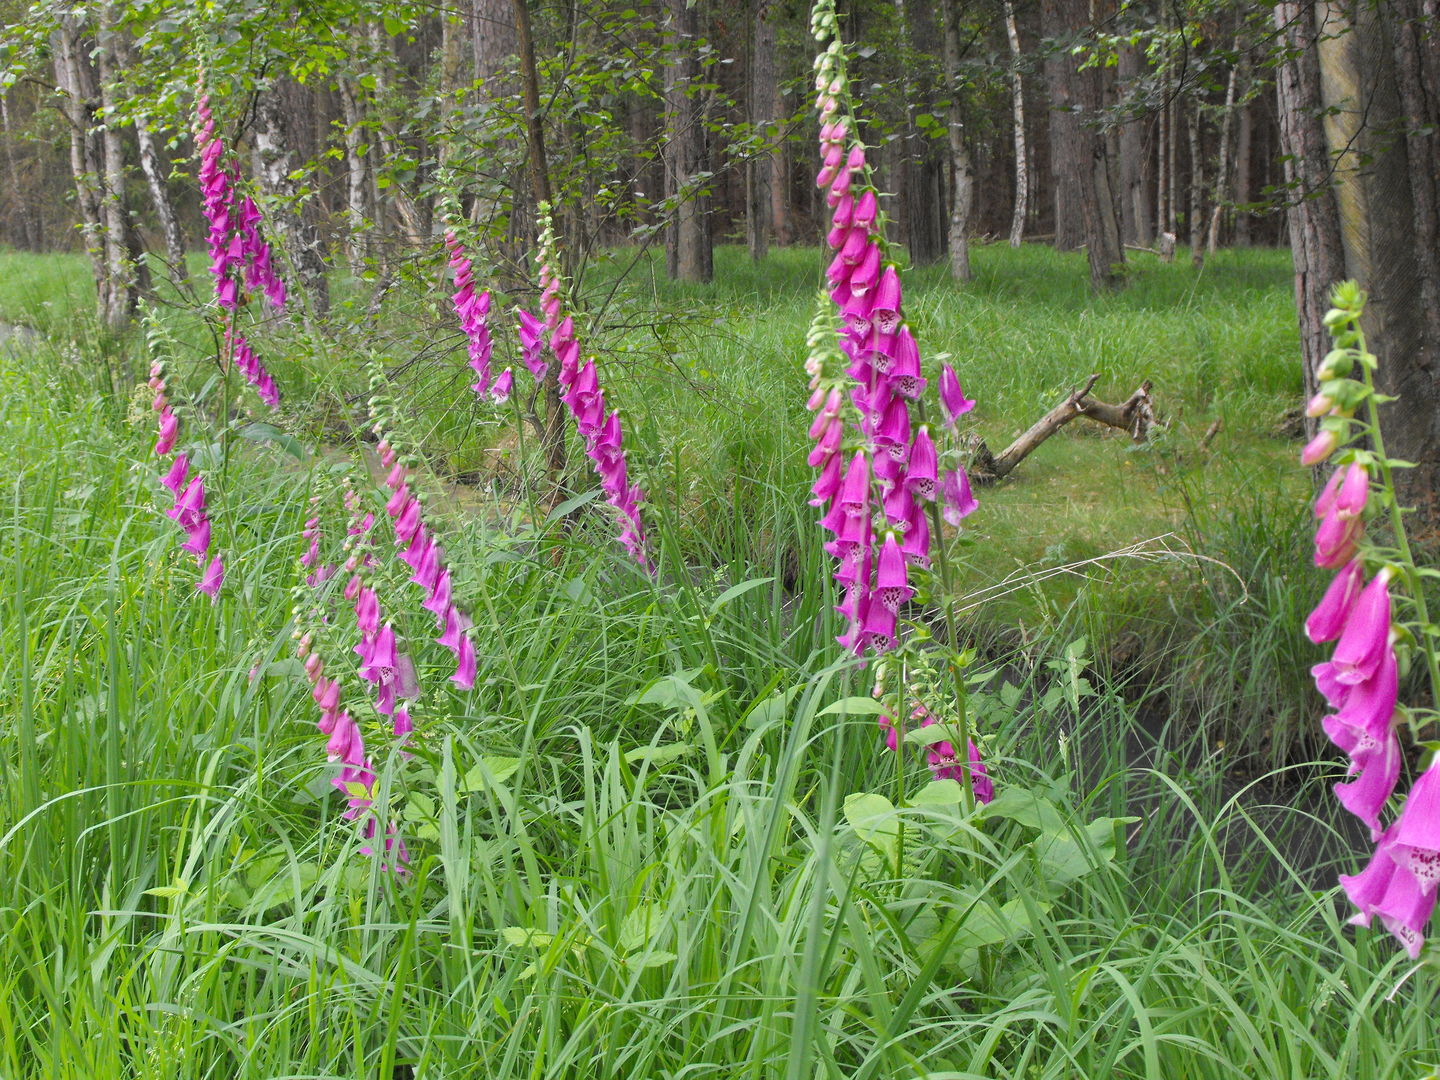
(1136, 415)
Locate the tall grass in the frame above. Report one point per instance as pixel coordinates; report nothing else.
(631, 851)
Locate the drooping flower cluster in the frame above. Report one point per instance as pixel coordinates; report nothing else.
(473, 309)
(893, 474)
(585, 399)
(532, 344)
(345, 742)
(189, 491)
(422, 553)
(238, 250)
(240, 258)
(1360, 681)
(250, 366)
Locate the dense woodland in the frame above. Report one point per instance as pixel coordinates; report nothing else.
(1124, 128)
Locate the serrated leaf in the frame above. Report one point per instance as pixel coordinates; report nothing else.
(639, 927)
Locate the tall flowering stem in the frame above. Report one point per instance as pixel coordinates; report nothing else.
(345, 740)
(584, 397)
(240, 258)
(187, 488)
(418, 548)
(473, 310)
(1372, 636)
(887, 478)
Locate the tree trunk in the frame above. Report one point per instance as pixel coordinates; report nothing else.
(961, 170)
(20, 212)
(299, 239)
(494, 38)
(1222, 168)
(1312, 215)
(1380, 87)
(1082, 164)
(1136, 215)
(1243, 149)
(151, 166)
(1017, 117)
(764, 93)
(1194, 217)
(687, 247)
(76, 80)
(1060, 19)
(357, 180)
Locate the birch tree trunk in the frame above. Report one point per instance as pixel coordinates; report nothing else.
(357, 179)
(1017, 116)
(961, 170)
(76, 80)
(1222, 168)
(152, 167)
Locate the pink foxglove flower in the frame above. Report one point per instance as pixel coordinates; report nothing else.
(1332, 613)
(1416, 834)
(1366, 636)
(959, 501)
(1319, 448)
(953, 401)
(210, 581)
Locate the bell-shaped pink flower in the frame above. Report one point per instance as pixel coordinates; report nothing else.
(501, 387)
(921, 477)
(1354, 491)
(178, 474)
(953, 401)
(865, 209)
(1335, 540)
(1376, 767)
(892, 585)
(464, 676)
(1366, 636)
(1417, 831)
(1319, 448)
(1405, 910)
(1329, 617)
(959, 500)
(1367, 888)
(197, 542)
(854, 498)
(212, 578)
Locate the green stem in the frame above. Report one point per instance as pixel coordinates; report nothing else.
(1397, 520)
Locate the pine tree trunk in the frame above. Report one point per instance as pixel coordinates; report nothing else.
(1194, 218)
(1312, 216)
(1060, 19)
(1243, 149)
(1379, 75)
(1017, 118)
(1082, 164)
(300, 240)
(763, 95)
(29, 241)
(962, 172)
(493, 37)
(1136, 214)
(687, 249)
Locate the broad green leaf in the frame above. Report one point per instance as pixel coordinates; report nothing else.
(532, 939)
(490, 769)
(1026, 807)
(939, 793)
(658, 755)
(873, 819)
(855, 706)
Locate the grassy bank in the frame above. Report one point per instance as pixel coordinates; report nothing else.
(634, 851)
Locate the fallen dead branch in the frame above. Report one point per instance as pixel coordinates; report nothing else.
(1135, 415)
